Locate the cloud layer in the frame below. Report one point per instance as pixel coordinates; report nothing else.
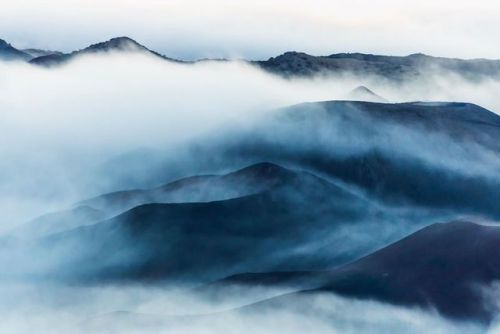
(60, 123)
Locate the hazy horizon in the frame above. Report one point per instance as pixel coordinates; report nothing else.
(195, 29)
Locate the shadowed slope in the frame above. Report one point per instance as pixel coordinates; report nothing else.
(8, 52)
(436, 155)
(443, 266)
(300, 64)
(278, 228)
(117, 44)
(253, 179)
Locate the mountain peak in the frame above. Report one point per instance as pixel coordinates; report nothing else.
(117, 43)
(122, 43)
(8, 52)
(363, 93)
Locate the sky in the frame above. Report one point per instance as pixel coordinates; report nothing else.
(259, 29)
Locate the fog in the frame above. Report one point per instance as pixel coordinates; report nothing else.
(152, 310)
(59, 126)
(60, 123)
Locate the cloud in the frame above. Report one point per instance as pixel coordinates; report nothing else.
(129, 309)
(61, 123)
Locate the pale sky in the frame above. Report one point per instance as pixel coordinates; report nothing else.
(259, 28)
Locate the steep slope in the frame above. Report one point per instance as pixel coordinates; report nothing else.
(118, 44)
(8, 52)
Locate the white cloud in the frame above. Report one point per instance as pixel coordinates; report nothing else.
(60, 123)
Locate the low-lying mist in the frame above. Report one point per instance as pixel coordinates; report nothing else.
(69, 132)
(59, 124)
(151, 310)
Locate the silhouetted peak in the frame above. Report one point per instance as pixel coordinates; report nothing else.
(117, 43)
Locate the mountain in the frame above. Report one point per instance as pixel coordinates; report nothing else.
(300, 64)
(438, 156)
(362, 93)
(8, 52)
(445, 266)
(250, 180)
(390, 151)
(117, 44)
(284, 227)
(202, 188)
(297, 64)
(35, 53)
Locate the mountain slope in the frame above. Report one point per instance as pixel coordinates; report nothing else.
(300, 64)
(253, 179)
(398, 153)
(8, 52)
(117, 44)
(396, 68)
(205, 188)
(445, 266)
(435, 155)
(279, 228)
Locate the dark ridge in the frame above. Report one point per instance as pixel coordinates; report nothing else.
(443, 266)
(8, 52)
(115, 44)
(253, 179)
(460, 111)
(201, 188)
(397, 68)
(201, 241)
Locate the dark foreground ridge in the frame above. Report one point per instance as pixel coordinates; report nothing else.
(446, 266)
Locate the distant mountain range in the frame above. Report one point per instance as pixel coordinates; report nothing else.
(291, 64)
(119, 44)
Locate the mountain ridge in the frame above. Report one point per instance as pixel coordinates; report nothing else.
(116, 44)
(421, 269)
(300, 64)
